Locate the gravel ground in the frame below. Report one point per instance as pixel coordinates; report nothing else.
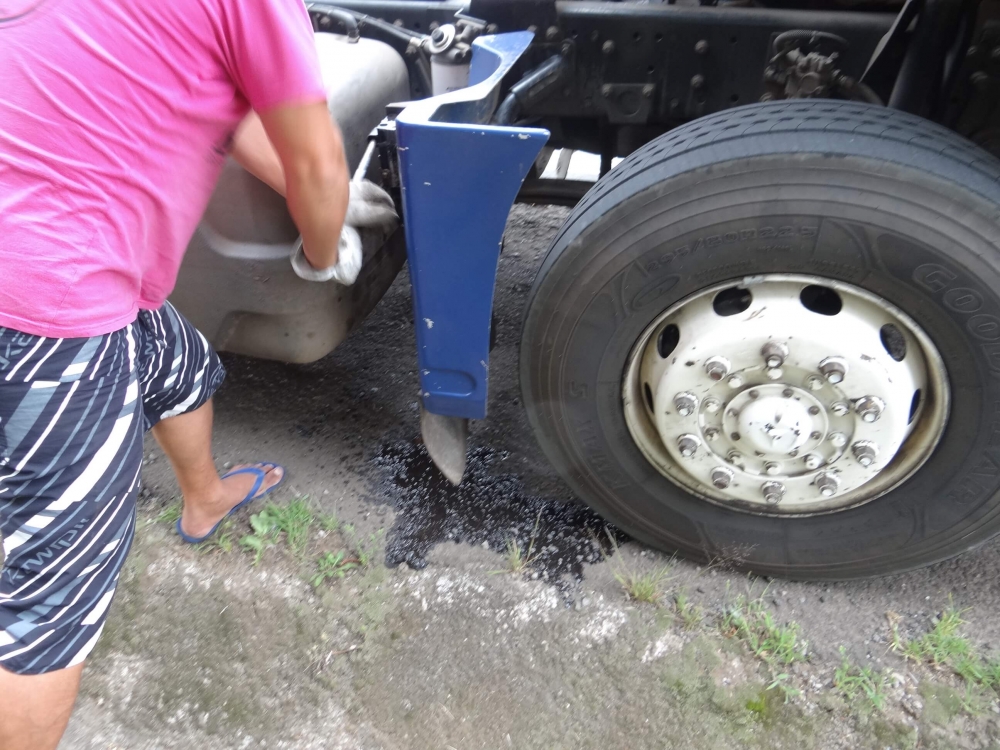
(441, 649)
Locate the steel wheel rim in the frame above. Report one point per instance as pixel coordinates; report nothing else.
(757, 396)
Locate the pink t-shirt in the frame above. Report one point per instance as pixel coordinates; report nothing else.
(115, 117)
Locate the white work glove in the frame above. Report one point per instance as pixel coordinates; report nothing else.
(369, 206)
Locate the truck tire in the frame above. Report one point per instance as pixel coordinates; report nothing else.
(866, 240)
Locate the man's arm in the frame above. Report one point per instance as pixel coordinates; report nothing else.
(255, 153)
(314, 169)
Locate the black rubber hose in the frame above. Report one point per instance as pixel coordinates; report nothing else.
(530, 89)
(344, 16)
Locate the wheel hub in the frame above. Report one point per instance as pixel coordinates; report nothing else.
(782, 409)
(773, 420)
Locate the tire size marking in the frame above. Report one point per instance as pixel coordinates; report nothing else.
(741, 235)
(590, 438)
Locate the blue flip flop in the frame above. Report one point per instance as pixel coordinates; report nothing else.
(251, 496)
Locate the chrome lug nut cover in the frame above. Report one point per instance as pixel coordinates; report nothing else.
(834, 369)
(717, 367)
(688, 445)
(869, 408)
(827, 484)
(774, 353)
(685, 403)
(722, 477)
(865, 452)
(773, 492)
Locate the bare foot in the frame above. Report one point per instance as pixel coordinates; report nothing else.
(201, 514)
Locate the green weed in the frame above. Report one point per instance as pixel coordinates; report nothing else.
(644, 587)
(690, 614)
(366, 550)
(777, 645)
(222, 540)
(291, 522)
(171, 514)
(294, 521)
(517, 557)
(329, 522)
(265, 535)
(853, 682)
(333, 565)
(946, 646)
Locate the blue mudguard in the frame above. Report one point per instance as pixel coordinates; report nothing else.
(460, 177)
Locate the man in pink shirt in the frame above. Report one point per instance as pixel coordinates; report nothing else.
(115, 120)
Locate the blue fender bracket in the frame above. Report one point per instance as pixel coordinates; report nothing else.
(459, 179)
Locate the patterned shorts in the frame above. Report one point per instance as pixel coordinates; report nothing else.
(72, 416)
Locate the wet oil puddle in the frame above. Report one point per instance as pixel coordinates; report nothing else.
(489, 506)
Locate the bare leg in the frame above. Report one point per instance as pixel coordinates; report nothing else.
(187, 441)
(34, 709)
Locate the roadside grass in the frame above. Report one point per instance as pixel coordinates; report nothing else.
(170, 514)
(946, 647)
(749, 620)
(645, 587)
(853, 682)
(518, 558)
(223, 540)
(329, 522)
(333, 565)
(690, 615)
(364, 549)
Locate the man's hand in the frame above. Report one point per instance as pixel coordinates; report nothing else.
(369, 207)
(312, 158)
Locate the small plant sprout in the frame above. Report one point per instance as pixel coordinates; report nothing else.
(519, 559)
(854, 682)
(644, 587)
(333, 565)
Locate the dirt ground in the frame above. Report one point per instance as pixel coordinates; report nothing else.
(444, 648)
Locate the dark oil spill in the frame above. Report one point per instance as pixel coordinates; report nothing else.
(489, 506)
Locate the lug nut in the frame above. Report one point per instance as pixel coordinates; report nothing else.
(711, 434)
(840, 408)
(734, 413)
(815, 435)
(827, 484)
(688, 445)
(712, 405)
(734, 457)
(717, 367)
(869, 408)
(812, 461)
(774, 354)
(834, 369)
(774, 373)
(838, 439)
(773, 492)
(865, 451)
(814, 382)
(771, 468)
(685, 403)
(735, 381)
(721, 477)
